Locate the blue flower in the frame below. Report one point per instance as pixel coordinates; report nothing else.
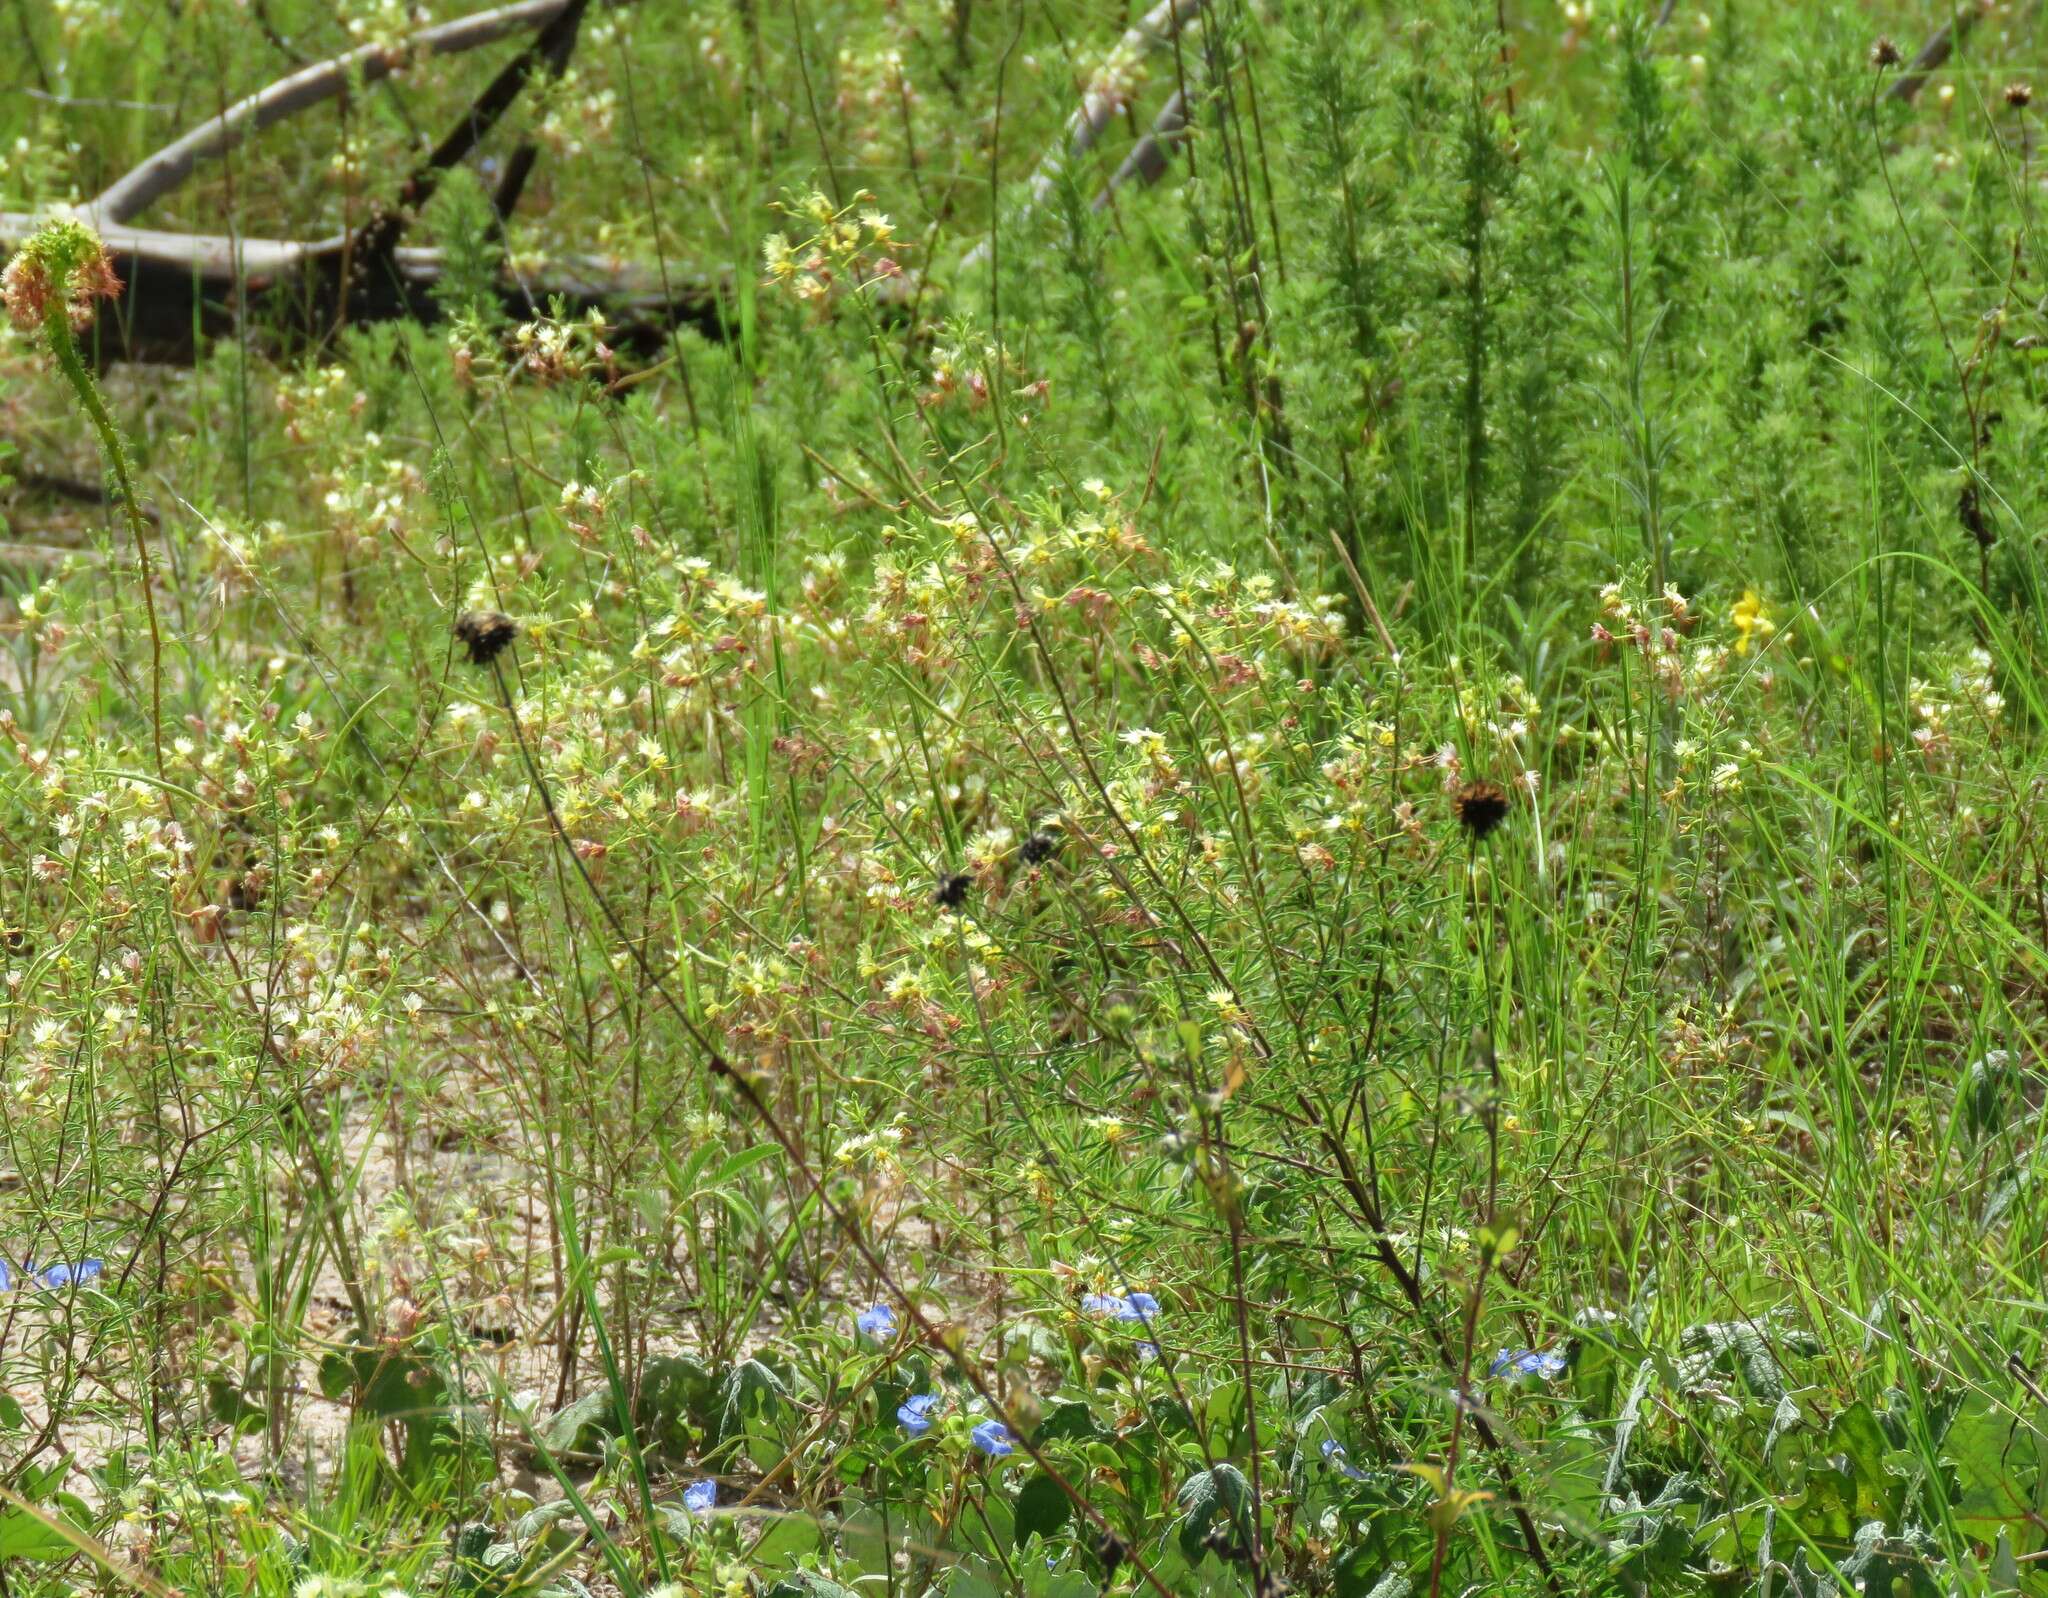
(1546, 1363)
(6, 1276)
(1148, 1351)
(700, 1497)
(915, 1413)
(1139, 1307)
(1339, 1461)
(878, 1322)
(1105, 1304)
(992, 1437)
(56, 1276)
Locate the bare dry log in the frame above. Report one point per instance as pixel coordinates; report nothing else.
(549, 51)
(1106, 96)
(1147, 161)
(1934, 54)
(182, 290)
(129, 195)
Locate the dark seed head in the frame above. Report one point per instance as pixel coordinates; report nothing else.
(952, 891)
(1971, 514)
(1884, 53)
(1038, 847)
(1481, 807)
(1109, 1548)
(2019, 95)
(486, 632)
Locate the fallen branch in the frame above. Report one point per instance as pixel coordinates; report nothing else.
(1147, 161)
(1108, 95)
(551, 48)
(129, 195)
(179, 290)
(1935, 52)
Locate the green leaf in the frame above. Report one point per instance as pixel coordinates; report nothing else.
(1070, 1421)
(678, 1396)
(787, 1539)
(1982, 1448)
(1857, 1434)
(22, 1536)
(226, 1403)
(1042, 1509)
(579, 1427)
(807, 1584)
(744, 1161)
(749, 1386)
(1220, 1489)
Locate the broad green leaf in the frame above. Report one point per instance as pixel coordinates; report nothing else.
(1042, 1508)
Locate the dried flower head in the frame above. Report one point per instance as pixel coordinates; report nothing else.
(62, 264)
(2019, 95)
(1481, 806)
(1884, 53)
(487, 633)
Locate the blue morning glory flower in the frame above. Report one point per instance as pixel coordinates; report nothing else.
(1139, 1307)
(1339, 1461)
(877, 1321)
(1147, 1352)
(700, 1497)
(915, 1413)
(992, 1437)
(1546, 1363)
(6, 1277)
(1104, 1304)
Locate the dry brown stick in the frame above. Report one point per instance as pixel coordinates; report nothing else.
(1147, 160)
(133, 192)
(1935, 52)
(179, 289)
(549, 50)
(1105, 97)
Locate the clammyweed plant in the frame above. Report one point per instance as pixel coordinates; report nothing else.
(50, 285)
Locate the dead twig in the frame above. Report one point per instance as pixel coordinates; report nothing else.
(1935, 52)
(1105, 98)
(551, 49)
(129, 195)
(1147, 161)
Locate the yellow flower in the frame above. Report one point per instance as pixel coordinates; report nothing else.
(1751, 621)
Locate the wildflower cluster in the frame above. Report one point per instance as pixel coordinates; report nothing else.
(849, 249)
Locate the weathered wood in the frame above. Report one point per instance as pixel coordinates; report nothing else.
(182, 290)
(129, 195)
(1103, 100)
(1935, 52)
